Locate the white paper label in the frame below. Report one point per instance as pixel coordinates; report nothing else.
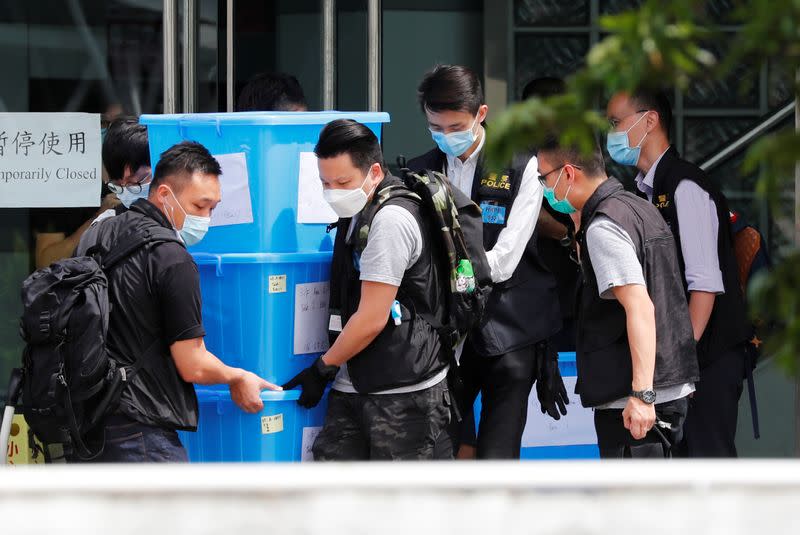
(271, 424)
(50, 160)
(335, 323)
(277, 284)
(309, 436)
(235, 208)
(311, 205)
(311, 317)
(577, 427)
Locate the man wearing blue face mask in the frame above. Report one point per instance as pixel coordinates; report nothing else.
(510, 352)
(126, 158)
(697, 212)
(155, 321)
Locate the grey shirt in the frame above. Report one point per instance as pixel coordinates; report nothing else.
(615, 263)
(394, 245)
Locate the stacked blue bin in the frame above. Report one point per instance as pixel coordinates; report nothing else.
(249, 273)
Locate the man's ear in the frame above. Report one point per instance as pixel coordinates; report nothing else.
(483, 112)
(652, 120)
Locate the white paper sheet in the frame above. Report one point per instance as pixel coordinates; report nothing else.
(311, 317)
(311, 206)
(577, 427)
(309, 436)
(50, 160)
(236, 206)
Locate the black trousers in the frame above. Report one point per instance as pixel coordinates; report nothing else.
(505, 383)
(616, 442)
(714, 409)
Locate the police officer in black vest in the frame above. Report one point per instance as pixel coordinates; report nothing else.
(503, 358)
(697, 212)
(636, 356)
(390, 398)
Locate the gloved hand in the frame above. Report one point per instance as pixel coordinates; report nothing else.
(549, 385)
(313, 379)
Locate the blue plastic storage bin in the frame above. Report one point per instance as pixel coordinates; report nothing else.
(249, 310)
(282, 432)
(272, 143)
(585, 450)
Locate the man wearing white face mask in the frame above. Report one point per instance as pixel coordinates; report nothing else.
(390, 398)
(697, 212)
(155, 322)
(504, 357)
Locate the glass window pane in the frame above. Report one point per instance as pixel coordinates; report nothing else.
(780, 85)
(551, 13)
(739, 90)
(705, 136)
(547, 55)
(612, 7)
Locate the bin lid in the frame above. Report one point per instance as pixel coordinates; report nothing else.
(261, 118)
(223, 394)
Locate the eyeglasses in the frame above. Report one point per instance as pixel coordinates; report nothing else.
(543, 176)
(616, 122)
(134, 188)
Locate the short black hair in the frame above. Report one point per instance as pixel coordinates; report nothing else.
(345, 136)
(450, 88)
(657, 101)
(546, 86)
(125, 144)
(271, 91)
(179, 162)
(592, 165)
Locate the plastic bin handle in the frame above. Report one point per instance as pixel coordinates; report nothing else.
(209, 259)
(186, 122)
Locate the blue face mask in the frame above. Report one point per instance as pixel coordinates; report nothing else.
(194, 227)
(127, 198)
(563, 206)
(455, 143)
(619, 147)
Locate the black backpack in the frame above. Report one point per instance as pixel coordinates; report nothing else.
(460, 239)
(69, 381)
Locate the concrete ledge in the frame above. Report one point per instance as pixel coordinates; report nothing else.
(725, 497)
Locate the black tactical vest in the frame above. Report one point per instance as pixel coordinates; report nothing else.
(401, 355)
(524, 309)
(728, 326)
(603, 356)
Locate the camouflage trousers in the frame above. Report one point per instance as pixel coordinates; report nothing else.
(361, 427)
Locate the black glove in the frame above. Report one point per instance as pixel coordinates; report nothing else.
(549, 385)
(313, 379)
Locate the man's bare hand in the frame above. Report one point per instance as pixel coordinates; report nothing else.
(638, 417)
(246, 391)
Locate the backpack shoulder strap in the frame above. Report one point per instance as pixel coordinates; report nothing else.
(135, 240)
(382, 197)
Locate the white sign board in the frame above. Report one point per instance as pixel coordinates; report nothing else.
(577, 427)
(236, 206)
(311, 317)
(50, 160)
(311, 205)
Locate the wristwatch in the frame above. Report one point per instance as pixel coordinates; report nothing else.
(648, 396)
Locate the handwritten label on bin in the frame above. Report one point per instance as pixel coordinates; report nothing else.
(277, 284)
(271, 424)
(311, 317)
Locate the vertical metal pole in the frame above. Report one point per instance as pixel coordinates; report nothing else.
(374, 55)
(328, 54)
(230, 81)
(170, 56)
(797, 244)
(189, 56)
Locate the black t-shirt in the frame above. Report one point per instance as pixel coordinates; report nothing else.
(155, 301)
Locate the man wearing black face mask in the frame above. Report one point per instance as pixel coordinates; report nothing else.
(503, 358)
(155, 322)
(390, 398)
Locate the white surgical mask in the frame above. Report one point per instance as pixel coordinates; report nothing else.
(347, 202)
